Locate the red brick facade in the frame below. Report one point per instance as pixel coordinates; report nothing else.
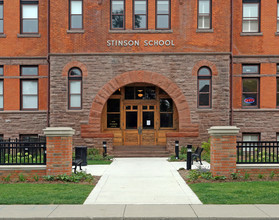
(105, 68)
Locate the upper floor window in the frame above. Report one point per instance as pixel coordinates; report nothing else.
(204, 14)
(162, 14)
(75, 89)
(1, 17)
(1, 70)
(29, 70)
(29, 17)
(251, 69)
(76, 20)
(251, 16)
(29, 94)
(117, 14)
(1, 95)
(140, 14)
(204, 87)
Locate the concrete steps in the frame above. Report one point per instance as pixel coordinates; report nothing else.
(140, 151)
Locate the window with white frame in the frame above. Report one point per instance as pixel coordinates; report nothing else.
(1, 95)
(29, 17)
(204, 14)
(29, 94)
(251, 16)
(277, 15)
(1, 17)
(76, 16)
(75, 89)
(251, 137)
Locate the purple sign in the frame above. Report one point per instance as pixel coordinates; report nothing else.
(249, 100)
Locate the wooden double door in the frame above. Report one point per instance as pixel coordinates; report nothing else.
(140, 127)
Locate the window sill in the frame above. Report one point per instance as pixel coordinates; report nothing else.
(204, 31)
(75, 31)
(28, 35)
(255, 110)
(74, 111)
(140, 31)
(251, 34)
(2, 35)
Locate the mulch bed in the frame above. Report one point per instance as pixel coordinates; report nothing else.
(185, 173)
(41, 181)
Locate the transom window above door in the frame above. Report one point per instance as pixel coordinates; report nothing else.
(140, 92)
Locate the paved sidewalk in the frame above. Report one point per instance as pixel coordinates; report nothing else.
(141, 181)
(77, 212)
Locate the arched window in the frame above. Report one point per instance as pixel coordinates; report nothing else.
(75, 89)
(204, 87)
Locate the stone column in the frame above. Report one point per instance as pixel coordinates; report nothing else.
(223, 150)
(59, 150)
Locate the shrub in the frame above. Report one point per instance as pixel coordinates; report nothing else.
(220, 177)
(272, 174)
(48, 178)
(235, 175)
(193, 175)
(206, 151)
(21, 178)
(207, 175)
(260, 176)
(36, 177)
(7, 178)
(246, 176)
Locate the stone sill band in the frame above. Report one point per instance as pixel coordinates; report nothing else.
(28, 35)
(251, 34)
(21, 167)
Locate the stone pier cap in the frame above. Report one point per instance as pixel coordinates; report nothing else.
(59, 132)
(223, 130)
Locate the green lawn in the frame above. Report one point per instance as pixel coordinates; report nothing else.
(24, 193)
(98, 162)
(263, 192)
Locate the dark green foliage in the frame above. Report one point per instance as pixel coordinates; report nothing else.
(21, 177)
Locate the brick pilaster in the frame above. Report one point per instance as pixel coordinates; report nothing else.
(59, 150)
(223, 150)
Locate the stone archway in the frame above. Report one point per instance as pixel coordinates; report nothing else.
(93, 128)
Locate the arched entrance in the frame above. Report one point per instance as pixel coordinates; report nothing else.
(139, 114)
(94, 129)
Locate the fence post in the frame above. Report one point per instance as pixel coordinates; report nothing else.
(59, 150)
(223, 150)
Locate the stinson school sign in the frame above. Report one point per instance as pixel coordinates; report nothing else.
(138, 43)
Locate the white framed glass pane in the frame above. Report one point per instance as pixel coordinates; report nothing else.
(117, 7)
(204, 6)
(30, 101)
(30, 26)
(140, 21)
(249, 137)
(162, 21)
(75, 101)
(140, 7)
(29, 11)
(29, 71)
(204, 85)
(76, 7)
(1, 11)
(250, 10)
(278, 10)
(162, 7)
(204, 22)
(29, 87)
(204, 72)
(250, 26)
(1, 87)
(75, 87)
(1, 101)
(1, 71)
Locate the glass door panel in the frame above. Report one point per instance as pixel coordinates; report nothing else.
(131, 120)
(148, 120)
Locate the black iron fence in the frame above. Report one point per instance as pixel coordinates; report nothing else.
(23, 152)
(257, 152)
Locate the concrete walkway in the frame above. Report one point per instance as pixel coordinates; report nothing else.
(121, 212)
(141, 181)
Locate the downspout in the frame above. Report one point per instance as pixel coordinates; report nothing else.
(48, 61)
(231, 66)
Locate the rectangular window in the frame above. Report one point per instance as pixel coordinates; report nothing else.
(277, 137)
(117, 14)
(1, 137)
(140, 14)
(278, 16)
(251, 16)
(29, 17)
(29, 94)
(250, 94)
(277, 94)
(251, 69)
(204, 14)
(113, 113)
(76, 19)
(75, 94)
(166, 113)
(1, 17)
(251, 137)
(1, 95)
(29, 71)
(162, 14)
(1, 70)
(28, 137)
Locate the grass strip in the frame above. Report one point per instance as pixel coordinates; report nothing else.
(263, 192)
(28, 193)
(98, 162)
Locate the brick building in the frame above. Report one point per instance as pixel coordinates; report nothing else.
(139, 72)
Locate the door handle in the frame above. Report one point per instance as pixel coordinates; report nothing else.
(140, 130)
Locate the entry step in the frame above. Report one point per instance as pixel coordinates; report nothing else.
(140, 151)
